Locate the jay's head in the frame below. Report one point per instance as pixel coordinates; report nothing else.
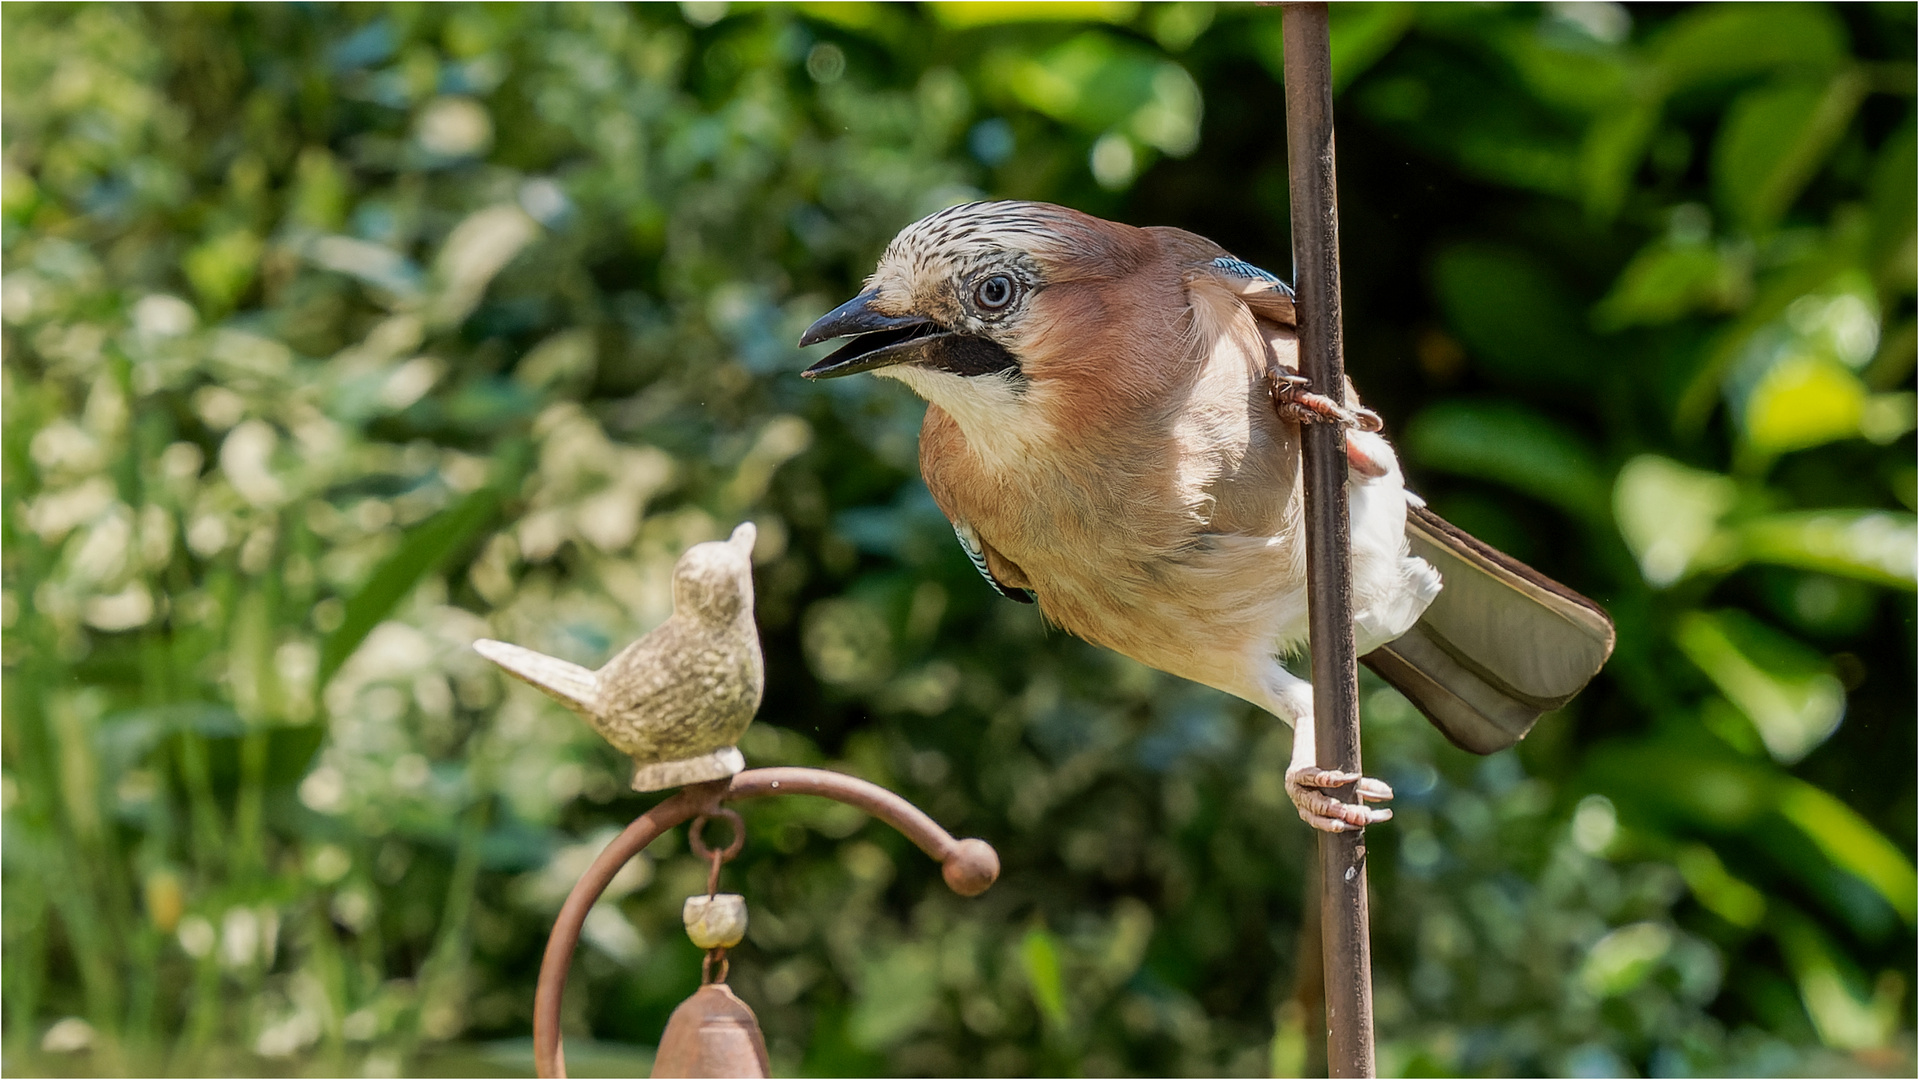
(978, 300)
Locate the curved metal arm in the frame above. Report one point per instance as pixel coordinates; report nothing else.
(969, 866)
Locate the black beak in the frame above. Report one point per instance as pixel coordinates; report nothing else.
(856, 316)
(879, 340)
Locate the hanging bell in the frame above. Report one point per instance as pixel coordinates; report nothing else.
(712, 1033)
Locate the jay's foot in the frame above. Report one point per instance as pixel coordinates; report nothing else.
(1294, 402)
(1327, 814)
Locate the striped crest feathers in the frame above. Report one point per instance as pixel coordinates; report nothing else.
(976, 226)
(1067, 243)
(1060, 237)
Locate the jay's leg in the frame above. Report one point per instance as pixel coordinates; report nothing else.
(1305, 781)
(1294, 402)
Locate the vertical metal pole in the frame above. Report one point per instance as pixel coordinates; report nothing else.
(1347, 949)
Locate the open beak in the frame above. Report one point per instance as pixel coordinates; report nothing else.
(879, 340)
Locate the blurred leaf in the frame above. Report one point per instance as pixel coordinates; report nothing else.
(1740, 352)
(477, 249)
(320, 191)
(251, 671)
(848, 643)
(1894, 208)
(995, 12)
(1096, 82)
(1821, 312)
(1887, 417)
(1773, 141)
(221, 268)
(127, 737)
(564, 357)
(1509, 444)
(1624, 958)
(1717, 43)
(425, 548)
(1873, 545)
(1847, 1015)
(1039, 959)
(1668, 280)
(1569, 70)
(1786, 690)
(898, 993)
(1669, 514)
(1360, 34)
(1612, 151)
(1719, 891)
(1176, 25)
(1287, 1056)
(1687, 778)
(1852, 844)
(1682, 780)
(880, 20)
(1898, 355)
(1801, 402)
(381, 267)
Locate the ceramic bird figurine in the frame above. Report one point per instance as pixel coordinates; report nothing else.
(678, 699)
(1113, 431)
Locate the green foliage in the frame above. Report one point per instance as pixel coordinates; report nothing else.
(336, 337)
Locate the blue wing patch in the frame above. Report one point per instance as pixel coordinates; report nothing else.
(1242, 268)
(977, 556)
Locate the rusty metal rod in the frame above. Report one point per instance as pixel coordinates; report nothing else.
(968, 866)
(1347, 950)
(548, 1059)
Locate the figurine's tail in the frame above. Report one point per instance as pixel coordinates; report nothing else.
(573, 685)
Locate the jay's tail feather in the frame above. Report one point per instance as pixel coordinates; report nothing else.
(1500, 645)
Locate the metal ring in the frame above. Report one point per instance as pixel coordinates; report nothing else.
(706, 967)
(731, 849)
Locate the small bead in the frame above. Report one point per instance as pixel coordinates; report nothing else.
(715, 922)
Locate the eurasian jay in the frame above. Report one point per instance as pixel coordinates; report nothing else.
(1113, 431)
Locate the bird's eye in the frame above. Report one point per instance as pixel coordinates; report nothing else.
(995, 292)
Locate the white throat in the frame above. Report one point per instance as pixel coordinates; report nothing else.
(997, 413)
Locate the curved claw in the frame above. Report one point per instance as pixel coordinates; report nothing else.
(1373, 789)
(1328, 814)
(1294, 402)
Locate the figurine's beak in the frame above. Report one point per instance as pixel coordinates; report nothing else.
(743, 538)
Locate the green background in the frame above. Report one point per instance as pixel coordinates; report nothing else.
(338, 336)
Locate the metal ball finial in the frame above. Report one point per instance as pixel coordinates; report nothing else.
(971, 868)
